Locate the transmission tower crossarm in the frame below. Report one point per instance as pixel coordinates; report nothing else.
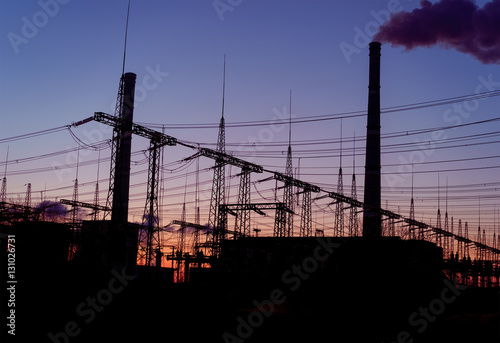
(296, 182)
(159, 138)
(228, 159)
(81, 122)
(346, 199)
(186, 224)
(83, 204)
(257, 207)
(389, 214)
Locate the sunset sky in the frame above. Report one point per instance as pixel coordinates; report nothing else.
(61, 61)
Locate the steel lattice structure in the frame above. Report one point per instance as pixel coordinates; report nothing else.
(284, 211)
(84, 205)
(149, 235)
(115, 147)
(281, 210)
(353, 211)
(280, 222)
(242, 227)
(96, 201)
(306, 219)
(339, 208)
(216, 220)
(288, 196)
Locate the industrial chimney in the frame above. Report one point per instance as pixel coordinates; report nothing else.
(372, 226)
(119, 212)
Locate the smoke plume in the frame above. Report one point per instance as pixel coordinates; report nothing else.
(52, 210)
(457, 24)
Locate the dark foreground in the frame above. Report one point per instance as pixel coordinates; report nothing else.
(265, 290)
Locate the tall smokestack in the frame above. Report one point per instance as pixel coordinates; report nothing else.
(372, 226)
(119, 211)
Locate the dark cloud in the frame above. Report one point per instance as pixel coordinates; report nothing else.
(457, 24)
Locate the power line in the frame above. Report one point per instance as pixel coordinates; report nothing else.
(34, 134)
(332, 116)
(304, 153)
(418, 172)
(403, 164)
(102, 144)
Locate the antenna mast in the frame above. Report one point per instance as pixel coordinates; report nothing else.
(6, 162)
(126, 34)
(223, 85)
(290, 124)
(340, 164)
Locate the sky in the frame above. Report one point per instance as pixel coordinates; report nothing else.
(61, 61)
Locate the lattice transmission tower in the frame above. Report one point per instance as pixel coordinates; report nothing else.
(306, 219)
(283, 223)
(353, 212)
(216, 219)
(242, 228)
(3, 194)
(339, 205)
